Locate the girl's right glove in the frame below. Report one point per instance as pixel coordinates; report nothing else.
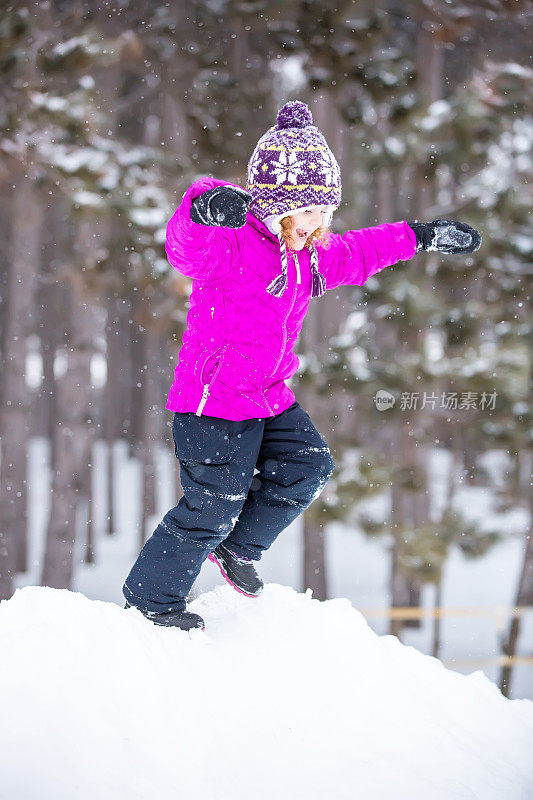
(223, 206)
(445, 236)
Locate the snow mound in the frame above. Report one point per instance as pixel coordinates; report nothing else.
(281, 697)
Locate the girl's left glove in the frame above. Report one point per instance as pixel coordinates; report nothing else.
(445, 236)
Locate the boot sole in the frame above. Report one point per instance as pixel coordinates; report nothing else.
(225, 575)
(164, 625)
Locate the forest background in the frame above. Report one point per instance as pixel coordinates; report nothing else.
(108, 112)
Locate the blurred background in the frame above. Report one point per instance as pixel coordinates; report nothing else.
(109, 111)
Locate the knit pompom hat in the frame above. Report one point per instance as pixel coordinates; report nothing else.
(292, 169)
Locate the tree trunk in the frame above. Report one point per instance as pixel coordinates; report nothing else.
(112, 401)
(150, 431)
(73, 435)
(124, 376)
(111, 525)
(524, 597)
(72, 453)
(435, 650)
(401, 521)
(55, 239)
(314, 571)
(451, 488)
(23, 267)
(138, 371)
(399, 589)
(89, 555)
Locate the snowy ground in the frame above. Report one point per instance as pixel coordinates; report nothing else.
(358, 567)
(282, 696)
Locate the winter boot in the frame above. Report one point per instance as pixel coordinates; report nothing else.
(238, 571)
(176, 619)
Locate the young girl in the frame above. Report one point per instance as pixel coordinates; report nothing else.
(256, 258)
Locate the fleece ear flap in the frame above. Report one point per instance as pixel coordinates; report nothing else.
(329, 215)
(273, 220)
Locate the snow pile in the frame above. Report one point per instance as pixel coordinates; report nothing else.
(281, 697)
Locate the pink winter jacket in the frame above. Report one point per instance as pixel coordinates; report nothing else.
(237, 349)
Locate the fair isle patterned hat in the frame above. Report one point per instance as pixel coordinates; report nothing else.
(291, 169)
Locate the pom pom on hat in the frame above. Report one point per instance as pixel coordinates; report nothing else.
(294, 114)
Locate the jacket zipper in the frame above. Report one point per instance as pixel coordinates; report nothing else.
(297, 265)
(207, 386)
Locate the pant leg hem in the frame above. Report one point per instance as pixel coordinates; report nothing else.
(143, 605)
(244, 552)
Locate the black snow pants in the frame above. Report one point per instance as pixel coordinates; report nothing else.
(224, 501)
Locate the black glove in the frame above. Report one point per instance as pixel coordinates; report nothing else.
(223, 206)
(445, 236)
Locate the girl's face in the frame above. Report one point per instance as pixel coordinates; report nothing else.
(305, 223)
